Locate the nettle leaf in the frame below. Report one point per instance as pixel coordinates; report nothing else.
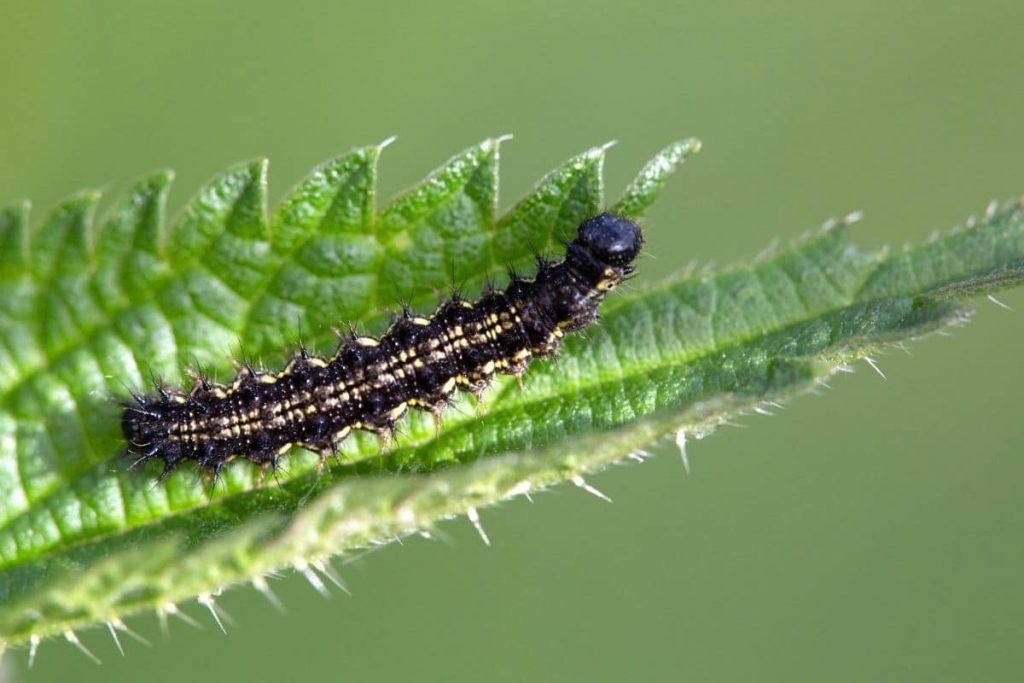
(90, 309)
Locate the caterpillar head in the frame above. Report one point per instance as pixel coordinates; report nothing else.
(612, 239)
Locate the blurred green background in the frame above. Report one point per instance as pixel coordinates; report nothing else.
(871, 533)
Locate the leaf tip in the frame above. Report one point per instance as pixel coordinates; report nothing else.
(249, 172)
(82, 200)
(160, 178)
(835, 224)
(597, 153)
(259, 168)
(18, 208)
(652, 177)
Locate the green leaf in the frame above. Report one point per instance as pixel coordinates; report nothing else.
(87, 314)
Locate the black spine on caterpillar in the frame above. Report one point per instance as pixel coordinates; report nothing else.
(369, 384)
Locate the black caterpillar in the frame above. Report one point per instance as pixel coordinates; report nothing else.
(370, 383)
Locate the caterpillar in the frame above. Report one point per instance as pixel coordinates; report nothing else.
(369, 383)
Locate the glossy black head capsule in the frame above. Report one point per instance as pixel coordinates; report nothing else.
(610, 238)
